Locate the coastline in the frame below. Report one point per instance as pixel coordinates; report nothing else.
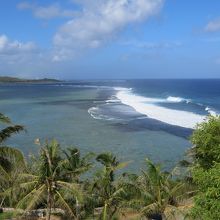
(61, 110)
(15, 80)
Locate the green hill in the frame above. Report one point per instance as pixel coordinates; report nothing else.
(7, 79)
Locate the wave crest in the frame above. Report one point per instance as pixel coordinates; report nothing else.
(148, 107)
(176, 99)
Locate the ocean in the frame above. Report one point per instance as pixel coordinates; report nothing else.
(134, 119)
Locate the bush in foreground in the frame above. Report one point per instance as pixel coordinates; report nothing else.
(206, 169)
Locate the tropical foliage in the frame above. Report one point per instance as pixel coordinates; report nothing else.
(206, 169)
(12, 162)
(49, 184)
(206, 142)
(8, 131)
(94, 186)
(207, 201)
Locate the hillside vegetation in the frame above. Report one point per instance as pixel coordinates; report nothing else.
(63, 183)
(7, 79)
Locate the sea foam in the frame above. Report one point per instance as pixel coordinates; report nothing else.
(177, 99)
(95, 113)
(148, 106)
(211, 111)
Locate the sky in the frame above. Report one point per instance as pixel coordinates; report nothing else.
(110, 39)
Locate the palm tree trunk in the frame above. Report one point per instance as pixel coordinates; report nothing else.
(49, 205)
(105, 212)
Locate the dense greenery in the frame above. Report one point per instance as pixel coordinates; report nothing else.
(53, 180)
(90, 186)
(11, 129)
(206, 141)
(207, 201)
(206, 169)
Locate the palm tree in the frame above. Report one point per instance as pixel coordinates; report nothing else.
(12, 162)
(157, 192)
(107, 192)
(48, 185)
(10, 130)
(76, 165)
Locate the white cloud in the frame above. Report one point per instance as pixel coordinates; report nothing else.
(22, 58)
(213, 26)
(8, 47)
(99, 21)
(46, 12)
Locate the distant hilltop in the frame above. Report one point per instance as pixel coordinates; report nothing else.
(8, 79)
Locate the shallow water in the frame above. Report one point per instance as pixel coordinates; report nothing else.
(89, 115)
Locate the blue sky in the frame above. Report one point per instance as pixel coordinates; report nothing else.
(84, 39)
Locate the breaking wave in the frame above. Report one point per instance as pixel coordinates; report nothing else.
(148, 106)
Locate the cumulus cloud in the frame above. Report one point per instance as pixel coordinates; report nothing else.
(9, 47)
(213, 26)
(99, 21)
(46, 12)
(23, 58)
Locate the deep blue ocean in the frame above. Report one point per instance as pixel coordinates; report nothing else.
(134, 119)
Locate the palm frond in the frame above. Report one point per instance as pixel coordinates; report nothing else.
(33, 198)
(150, 209)
(9, 131)
(72, 188)
(118, 194)
(4, 176)
(29, 176)
(4, 119)
(107, 159)
(62, 203)
(27, 186)
(11, 158)
(6, 193)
